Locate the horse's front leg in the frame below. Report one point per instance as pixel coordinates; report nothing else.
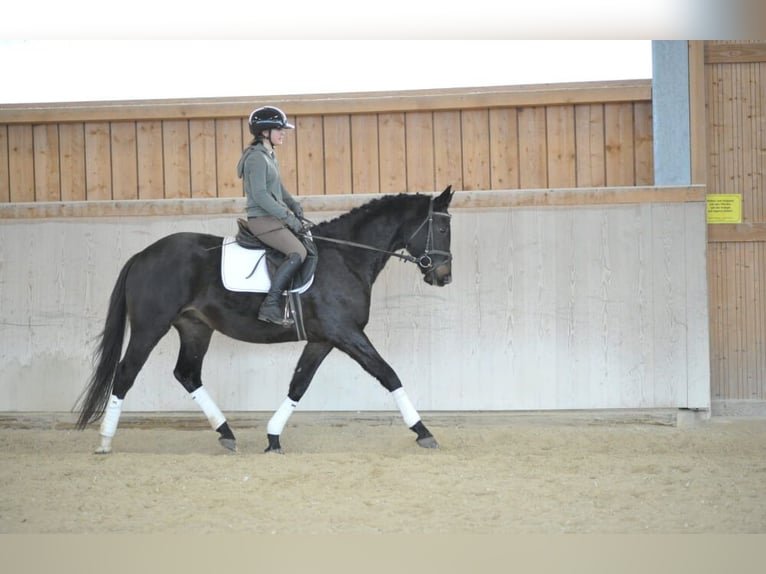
(359, 348)
(312, 356)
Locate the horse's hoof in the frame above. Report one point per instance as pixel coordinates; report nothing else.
(274, 450)
(427, 442)
(228, 444)
(102, 450)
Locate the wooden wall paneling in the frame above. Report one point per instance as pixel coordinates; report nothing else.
(644, 144)
(503, 148)
(124, 160)
(714, 98)
(230, 141)
(175, 149)
(729, 182)
(736, 332)
(72, 161)
(310, 152)
(744, 112)
(46, 161)
(718, 293)
(365, 175)
(337, 156)
(243, 127)
(393, 160)
(288, 162)
(620, 157)
(202, 158)
(756, 323)
(383, 170)
(759, 268)
(697, 112)
(715, 309)
(533, 168)
(733, 321)
(448, 150)
(560, 135)
(753, 127)
(736, 131)
(419, 133)
(345, 103)
(98, 161)
(729, 320)
(21, 167)
(589, 145)
(5, 184)
(151, 171)
(742, 309)
(758, 131)
(476, 149)
(754, 334)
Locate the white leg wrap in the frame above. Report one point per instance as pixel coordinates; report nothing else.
(208, 406)
(409, 414)
(279, 419)
(111, 417)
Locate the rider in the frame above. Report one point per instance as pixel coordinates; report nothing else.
(273, 215)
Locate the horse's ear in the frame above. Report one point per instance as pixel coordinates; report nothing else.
(444, 198)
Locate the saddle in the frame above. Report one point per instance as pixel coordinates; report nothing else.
(274, 258)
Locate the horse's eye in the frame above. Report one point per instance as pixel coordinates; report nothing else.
(442, 230)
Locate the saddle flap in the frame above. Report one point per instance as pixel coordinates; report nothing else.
(246, 269)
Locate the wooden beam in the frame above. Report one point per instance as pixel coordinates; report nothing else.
(736, 232)
(735, 53)
(569, 197)
(323, 104)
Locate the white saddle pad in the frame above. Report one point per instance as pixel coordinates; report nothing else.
(246, 269)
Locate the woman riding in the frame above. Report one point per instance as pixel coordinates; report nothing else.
(273, 215)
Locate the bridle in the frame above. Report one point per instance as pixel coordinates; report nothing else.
(424, 261)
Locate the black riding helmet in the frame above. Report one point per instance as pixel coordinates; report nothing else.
(268, 118)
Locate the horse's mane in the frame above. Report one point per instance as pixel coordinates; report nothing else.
(374, 207)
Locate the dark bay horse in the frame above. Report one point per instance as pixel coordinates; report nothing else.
(176, 282)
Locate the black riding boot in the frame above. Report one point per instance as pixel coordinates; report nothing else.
(271, 310)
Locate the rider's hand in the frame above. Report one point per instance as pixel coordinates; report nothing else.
(295, 225)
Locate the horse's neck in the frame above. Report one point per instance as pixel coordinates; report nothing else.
(383, 232)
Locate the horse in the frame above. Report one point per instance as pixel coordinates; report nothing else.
(176, 282)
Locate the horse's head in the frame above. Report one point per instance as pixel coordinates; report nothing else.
(430, 243)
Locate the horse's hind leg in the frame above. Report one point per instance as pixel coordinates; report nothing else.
(136, 354)
(195, 338)
(312, 356)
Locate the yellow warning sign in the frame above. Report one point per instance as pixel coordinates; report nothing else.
(724, 208)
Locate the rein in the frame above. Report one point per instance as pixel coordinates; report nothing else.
(424, 261)
(402, 256)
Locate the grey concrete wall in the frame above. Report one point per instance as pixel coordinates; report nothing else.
(550, 308)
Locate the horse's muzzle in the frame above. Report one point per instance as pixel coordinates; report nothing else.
(439, 276)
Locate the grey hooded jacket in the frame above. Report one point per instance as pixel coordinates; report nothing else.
(266, 195)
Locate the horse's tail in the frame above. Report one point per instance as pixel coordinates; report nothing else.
(93, 400)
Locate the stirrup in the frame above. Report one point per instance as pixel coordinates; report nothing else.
(278, 320)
